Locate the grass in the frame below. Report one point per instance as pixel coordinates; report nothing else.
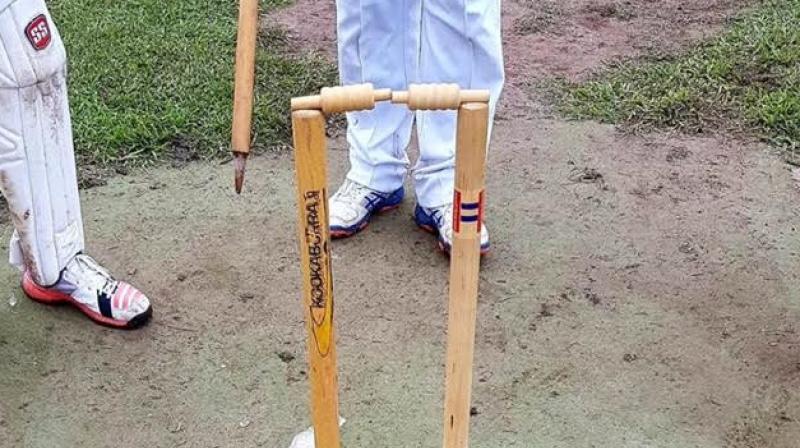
(539, 17)
(747, 79)
(150, 77)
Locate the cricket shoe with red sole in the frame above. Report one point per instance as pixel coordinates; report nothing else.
(90, 288)
(439, 221)
(354, 205)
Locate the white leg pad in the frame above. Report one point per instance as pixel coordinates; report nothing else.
(37, 162)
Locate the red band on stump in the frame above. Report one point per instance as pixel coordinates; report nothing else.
(457, 212)
(480, 211)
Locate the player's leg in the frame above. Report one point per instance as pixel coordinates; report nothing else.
(37, 173)
(460, 43)
(377, 44)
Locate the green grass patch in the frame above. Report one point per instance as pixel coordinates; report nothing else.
(150, 76)
(747, 79)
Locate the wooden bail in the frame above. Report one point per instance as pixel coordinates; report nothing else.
(438, 96)
(332, 100)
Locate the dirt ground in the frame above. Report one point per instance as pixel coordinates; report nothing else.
(642, 292)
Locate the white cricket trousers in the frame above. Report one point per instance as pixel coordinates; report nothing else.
(393, 43)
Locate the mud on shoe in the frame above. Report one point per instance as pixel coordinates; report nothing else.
(90, 288)
(354, 205)
(439, 221)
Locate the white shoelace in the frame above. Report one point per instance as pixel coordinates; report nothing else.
(84, 272)
(443, 216)
(447, 215)
(352, 194)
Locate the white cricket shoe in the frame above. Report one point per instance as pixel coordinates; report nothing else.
(439, 221)
(90, 288)
(354, 205)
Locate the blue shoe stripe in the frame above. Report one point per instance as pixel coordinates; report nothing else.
(470, 206)
(104, 303)
(425, 219)
(374, 202)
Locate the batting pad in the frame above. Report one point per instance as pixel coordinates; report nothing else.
(37, 162)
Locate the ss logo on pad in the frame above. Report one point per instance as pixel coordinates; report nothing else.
(38, 32)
